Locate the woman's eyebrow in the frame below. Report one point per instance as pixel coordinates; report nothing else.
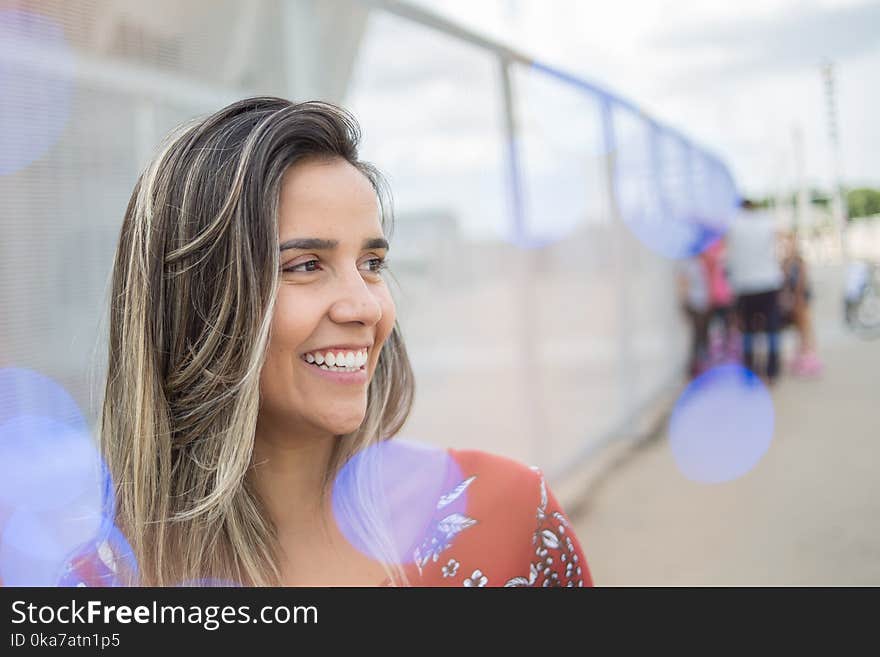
(318, 244)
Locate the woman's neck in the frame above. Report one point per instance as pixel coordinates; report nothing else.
(288, 472)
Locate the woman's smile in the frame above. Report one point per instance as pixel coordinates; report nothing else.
(341, 364)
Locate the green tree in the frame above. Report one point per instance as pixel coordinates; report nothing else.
(863, 202)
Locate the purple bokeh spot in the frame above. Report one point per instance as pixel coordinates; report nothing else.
(409, 481)
(47, 465)
(28, 534)
(36, 79)
(30, 552)
(673, 197)
(54, 487)
(26, 392)
(34, 548)
(722, 425)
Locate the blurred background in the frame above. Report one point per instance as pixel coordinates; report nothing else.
(556, 167)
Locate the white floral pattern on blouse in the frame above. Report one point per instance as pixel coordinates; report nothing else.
(551, 542)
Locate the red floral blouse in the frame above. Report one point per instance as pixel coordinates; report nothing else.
(512, 531)
(496, 524)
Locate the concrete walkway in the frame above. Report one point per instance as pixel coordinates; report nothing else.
(807, 514)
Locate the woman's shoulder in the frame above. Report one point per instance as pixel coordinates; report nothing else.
(458, 479)
(499, 484)
(495, 467)
(498, 525)
(508, 492)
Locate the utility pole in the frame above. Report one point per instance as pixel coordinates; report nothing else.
(838, 199)
(802, 219)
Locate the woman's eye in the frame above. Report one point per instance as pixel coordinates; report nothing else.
(307, 266)
(375, 264)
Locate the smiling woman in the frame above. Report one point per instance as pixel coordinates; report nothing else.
(257, 372)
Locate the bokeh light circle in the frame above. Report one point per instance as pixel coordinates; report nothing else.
(47, 464)
(35, 547)
(26, 392)
(36, 77)
(721, 425)
(400, 486)
(55, 490)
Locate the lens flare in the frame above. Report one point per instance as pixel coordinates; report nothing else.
(26, 392)
(405, 487)
(36, 76)
(53, 482)
(674, 199)
(722, 425)
(47, 465)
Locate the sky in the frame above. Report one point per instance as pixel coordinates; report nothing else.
(742, 79)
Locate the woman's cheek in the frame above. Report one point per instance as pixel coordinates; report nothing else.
(389, 312)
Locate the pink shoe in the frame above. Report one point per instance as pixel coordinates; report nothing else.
(807, 365)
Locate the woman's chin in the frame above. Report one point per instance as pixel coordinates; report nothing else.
(341, 426)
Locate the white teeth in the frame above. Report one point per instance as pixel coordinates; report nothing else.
(324, 367)
(348, 360)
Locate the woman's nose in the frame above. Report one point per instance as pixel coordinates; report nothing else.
(355, 302)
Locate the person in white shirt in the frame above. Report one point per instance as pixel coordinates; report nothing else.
(756, 277)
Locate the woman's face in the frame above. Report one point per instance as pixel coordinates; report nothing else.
(333, 311)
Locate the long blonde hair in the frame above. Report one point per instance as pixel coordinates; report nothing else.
(193, 292)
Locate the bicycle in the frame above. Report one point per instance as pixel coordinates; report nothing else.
(862, 299)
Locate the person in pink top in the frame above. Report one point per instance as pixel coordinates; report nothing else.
(721, 343)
